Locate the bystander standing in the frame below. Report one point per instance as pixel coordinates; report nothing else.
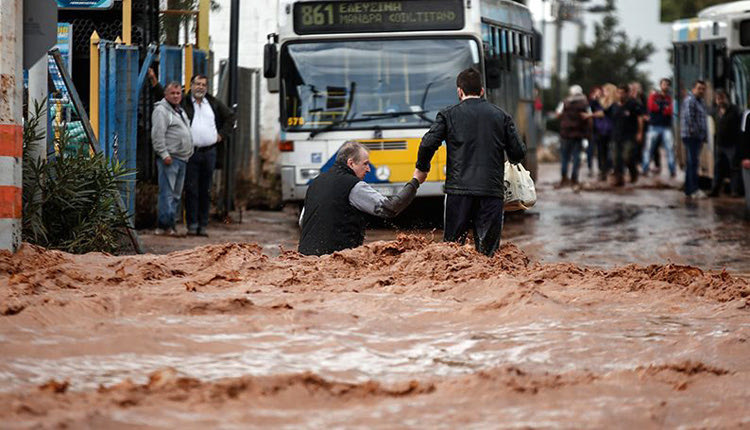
(660, 110)
(173, 144)
(728, 125)
(627, 131)
(693, 131)
(573, 113)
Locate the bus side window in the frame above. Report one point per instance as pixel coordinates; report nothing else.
(707, 63)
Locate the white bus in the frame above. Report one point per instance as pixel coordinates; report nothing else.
(379, 71)
(714, 47)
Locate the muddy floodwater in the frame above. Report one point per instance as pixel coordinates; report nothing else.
(601, 310)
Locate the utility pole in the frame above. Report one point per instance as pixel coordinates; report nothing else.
(234, 27)
(11, 120)
(557, 7)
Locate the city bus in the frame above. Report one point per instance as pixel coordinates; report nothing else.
(714, 47)
(378, 72)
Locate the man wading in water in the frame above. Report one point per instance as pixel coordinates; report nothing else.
(336, 202)
(478, 135)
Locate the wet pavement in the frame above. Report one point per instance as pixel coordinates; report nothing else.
(647, 223)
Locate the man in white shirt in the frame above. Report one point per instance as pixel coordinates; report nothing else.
(210, 124)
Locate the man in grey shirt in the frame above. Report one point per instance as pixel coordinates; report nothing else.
(336, 201)
(173, 144)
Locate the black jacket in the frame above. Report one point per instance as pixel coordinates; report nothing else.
(743, 149)
(572, 123)
(330, 223)
(223, 116)
(478, 135)
(728, 127)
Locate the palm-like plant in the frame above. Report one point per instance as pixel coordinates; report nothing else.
(69, 200)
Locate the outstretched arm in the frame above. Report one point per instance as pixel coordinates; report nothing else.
(431, 141)
(368, 200)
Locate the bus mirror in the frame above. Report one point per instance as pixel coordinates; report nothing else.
(269, 60)
(492, 72)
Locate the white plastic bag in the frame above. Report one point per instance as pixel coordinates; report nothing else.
(520, 193)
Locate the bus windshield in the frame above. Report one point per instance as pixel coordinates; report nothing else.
(358, 84)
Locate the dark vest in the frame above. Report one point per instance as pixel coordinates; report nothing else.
(330, 223)
(572, 125)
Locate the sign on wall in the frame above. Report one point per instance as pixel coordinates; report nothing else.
(65, 43)
(85, 4)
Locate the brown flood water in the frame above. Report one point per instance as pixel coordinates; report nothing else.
(398, 333)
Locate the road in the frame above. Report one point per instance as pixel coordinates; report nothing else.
(649, 223)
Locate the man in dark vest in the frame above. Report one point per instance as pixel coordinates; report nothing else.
(336, 202)
(477, 134)
(574, 113)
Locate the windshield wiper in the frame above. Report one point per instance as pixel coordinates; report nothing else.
(344, 118)
(393, 114)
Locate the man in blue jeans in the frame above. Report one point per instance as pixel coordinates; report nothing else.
(660, 127)
(574, 114)
(693, 132)
(173, 144)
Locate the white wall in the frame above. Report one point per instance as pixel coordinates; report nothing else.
(257, 19)
(639, 19)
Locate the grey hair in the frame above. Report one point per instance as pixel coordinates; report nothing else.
(350, 149)
(173, 84)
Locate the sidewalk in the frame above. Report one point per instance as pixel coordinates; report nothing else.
(269, 229)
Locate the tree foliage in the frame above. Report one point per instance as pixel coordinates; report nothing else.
(612, 56)
(678, 9)
(70, 200)
(170, 24)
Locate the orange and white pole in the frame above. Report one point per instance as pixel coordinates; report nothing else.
(11, 122)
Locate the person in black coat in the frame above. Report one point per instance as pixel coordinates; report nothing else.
(726, 164)
(743, 155)
(478, 134)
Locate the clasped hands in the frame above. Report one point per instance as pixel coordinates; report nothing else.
(420, 176)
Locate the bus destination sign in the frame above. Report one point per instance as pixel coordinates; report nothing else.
(320, 17)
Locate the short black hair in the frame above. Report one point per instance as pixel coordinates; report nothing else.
(470, 81)
(198, 76)
(667, 80)
(699, 81)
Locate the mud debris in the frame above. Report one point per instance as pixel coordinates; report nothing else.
(402, 332)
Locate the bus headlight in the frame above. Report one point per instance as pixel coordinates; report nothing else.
(308, 174)
(383, 173)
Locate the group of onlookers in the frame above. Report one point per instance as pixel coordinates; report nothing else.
(624, 131)
(186, 131)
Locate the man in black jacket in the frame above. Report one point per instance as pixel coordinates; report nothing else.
(726, 165)
(336, 201)
(477, 134)
(211, 123)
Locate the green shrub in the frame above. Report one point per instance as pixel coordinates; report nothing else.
(70, 199)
